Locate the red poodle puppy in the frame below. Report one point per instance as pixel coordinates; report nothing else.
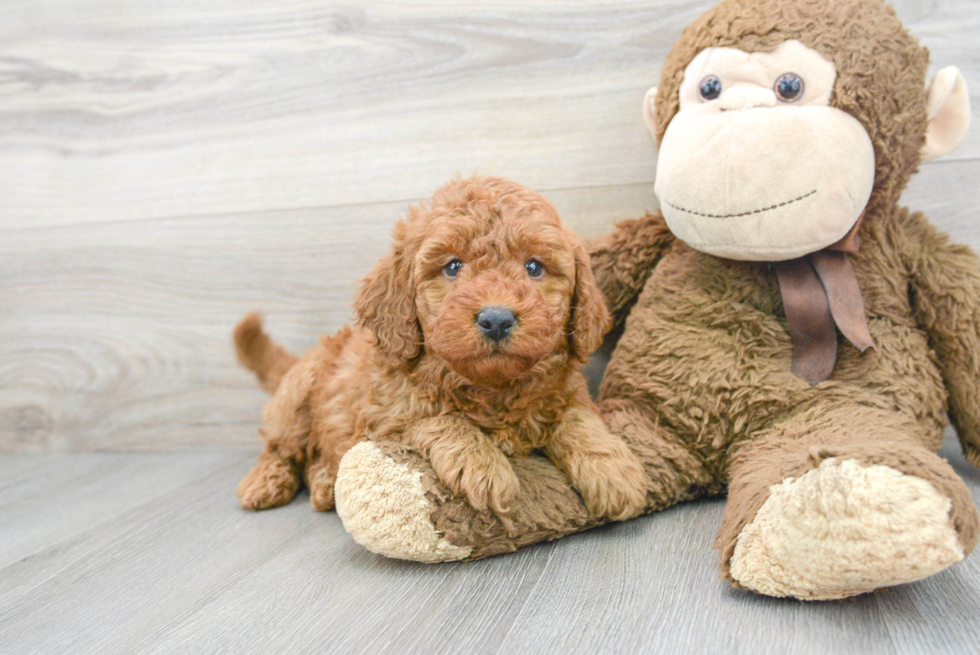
(469, 345)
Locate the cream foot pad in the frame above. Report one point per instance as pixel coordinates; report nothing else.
(383, 506)
(843, 529)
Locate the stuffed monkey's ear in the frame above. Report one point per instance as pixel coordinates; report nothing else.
(386, 303)
(650, 111)
(948, 112)
(590, 317)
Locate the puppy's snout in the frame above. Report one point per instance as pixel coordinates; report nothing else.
(495, 322)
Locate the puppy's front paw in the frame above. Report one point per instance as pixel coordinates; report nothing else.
(486, 478)
(495, 486)
(613, 486)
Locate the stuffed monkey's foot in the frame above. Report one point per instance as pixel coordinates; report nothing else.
(385, 508)
(843, 529)
(272, 483)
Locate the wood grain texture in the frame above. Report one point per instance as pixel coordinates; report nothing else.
(122, 111)
(167, 166)
(159, 109)
(168, 563)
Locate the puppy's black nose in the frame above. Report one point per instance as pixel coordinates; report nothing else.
(495, 322)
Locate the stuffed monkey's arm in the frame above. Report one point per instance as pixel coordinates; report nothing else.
(623, 259)
(945, 279)
(393, 503)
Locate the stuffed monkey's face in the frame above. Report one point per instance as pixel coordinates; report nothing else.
(757, 165)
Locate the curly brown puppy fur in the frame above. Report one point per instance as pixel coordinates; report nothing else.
(469, 346)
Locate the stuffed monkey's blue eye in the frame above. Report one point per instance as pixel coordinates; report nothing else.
(789, 87)
(451, 269)
(534, 268)
(710, 88)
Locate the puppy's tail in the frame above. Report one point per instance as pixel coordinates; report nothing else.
(260, 354)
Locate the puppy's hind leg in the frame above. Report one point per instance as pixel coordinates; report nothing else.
(271, 483)
(276, 478)
(334, 435)
(321, 473)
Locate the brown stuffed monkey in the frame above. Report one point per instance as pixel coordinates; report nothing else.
(793, 337)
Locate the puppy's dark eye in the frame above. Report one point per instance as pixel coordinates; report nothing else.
(789, 87)
(451, 269)
(710, 88)
(534, 268)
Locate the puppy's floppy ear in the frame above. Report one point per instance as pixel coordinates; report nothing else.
(590, 317)
(386, 303)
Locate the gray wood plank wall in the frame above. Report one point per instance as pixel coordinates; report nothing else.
(167, 166)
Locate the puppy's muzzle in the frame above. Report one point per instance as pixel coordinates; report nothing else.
(495, 322)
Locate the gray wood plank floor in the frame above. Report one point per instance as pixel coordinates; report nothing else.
(149, 553)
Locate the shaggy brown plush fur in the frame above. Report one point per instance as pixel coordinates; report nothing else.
(419, 369)
(700, 385)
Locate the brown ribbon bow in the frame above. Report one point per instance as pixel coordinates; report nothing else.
(820, 291)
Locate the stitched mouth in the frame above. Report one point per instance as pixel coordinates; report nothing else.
(748, 213)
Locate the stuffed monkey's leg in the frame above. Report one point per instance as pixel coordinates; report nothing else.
(392, 502)
(321, 468)
(834, 502)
